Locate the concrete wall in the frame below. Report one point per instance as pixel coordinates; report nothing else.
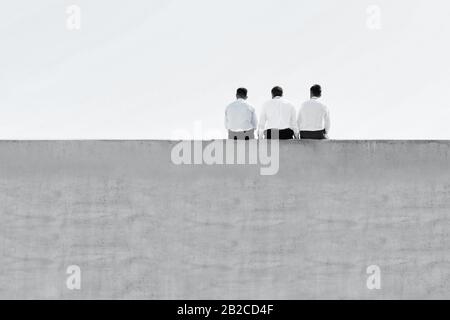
(141, 227)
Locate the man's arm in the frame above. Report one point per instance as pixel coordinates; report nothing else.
(254, 119)
(226, 119)
(262, 123)
(299, 120)
(327, 121)
(293, 121)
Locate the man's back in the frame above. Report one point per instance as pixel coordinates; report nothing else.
(313, 116)
(278, 113)
(240, 116)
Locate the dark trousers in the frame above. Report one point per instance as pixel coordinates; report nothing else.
(284, 134)
(313, 135)
(241, 135)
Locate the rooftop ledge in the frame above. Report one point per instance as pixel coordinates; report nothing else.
(335, 216)
(208, 140)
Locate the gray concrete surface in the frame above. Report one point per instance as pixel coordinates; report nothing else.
(140, 227)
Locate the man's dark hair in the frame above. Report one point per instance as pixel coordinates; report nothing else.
(277, 92)
(316, 91)
(241, 93)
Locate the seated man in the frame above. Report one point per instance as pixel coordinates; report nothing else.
(240, 118)
(278, 119)
(313, 117)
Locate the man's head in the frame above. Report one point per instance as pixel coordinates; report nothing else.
(316, 91)
(241, 93)
(277, 92)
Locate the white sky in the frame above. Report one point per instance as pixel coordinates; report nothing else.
(143, 69)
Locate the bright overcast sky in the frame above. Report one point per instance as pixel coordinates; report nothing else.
(144, 69)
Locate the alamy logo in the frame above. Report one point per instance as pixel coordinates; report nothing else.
(373, 17)
(73, 282)
(265, 153)
(374, 280)
(253, 152)
(73, 21)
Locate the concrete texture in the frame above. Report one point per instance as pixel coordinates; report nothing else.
(140, 227)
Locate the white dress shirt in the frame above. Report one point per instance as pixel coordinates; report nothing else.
(313, 116)
(240, 116)
(278, 113)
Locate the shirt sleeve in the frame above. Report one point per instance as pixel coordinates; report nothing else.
(254, 119)
(299, 119)
(226, 119)
(327, 121)
(262, 120)
(293, 121)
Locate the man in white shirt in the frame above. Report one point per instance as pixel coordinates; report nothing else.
(314, 117)
(278, 118)
(240, 118)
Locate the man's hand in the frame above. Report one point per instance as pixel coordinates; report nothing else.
(260, 134)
